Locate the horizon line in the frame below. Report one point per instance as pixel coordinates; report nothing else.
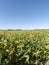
(27, 29)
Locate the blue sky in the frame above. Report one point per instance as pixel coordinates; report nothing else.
(24, 14)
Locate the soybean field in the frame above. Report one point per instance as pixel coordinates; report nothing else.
(24, 47)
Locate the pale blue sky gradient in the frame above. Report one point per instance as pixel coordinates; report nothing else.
(24, 14)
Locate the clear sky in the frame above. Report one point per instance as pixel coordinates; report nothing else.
(24, 14)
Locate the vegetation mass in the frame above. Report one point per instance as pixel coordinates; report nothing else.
(27, 47)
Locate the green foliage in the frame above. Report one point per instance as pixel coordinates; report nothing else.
(24, 47)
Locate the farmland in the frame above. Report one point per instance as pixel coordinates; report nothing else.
(27, 47)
